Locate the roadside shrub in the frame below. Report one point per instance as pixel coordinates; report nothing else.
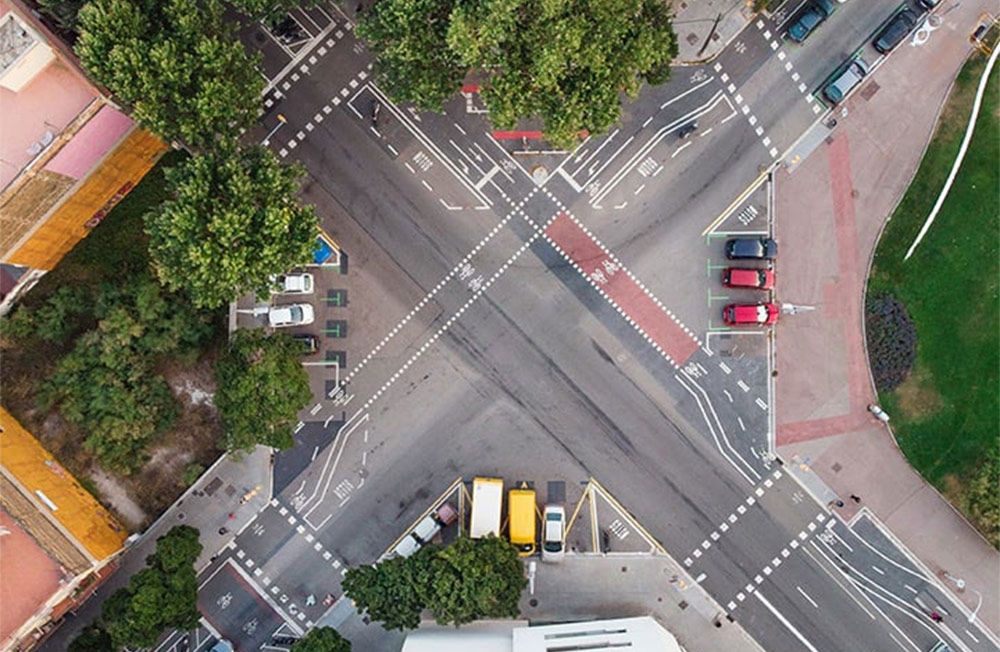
(892, 341)
(981, 501)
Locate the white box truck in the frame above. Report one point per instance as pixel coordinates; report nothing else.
(487, 501)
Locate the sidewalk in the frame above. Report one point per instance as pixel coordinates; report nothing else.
(694, 21)
(585, 587)
(829, 213)
(207, 505)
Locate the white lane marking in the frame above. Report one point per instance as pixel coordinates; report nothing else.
(806, 596)
(910, 589)
(784, 621)
(878, 570)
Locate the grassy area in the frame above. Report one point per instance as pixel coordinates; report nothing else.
(115, 254)
(946, 414)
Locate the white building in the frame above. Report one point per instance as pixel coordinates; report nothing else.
(634, 634)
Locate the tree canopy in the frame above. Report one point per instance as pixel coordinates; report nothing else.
(162, 595)
(469, 580)
(261, 388)
(475, 579)
(175, 62)
(322, 639)
(566, 63)
(106, 385)
(232, 221)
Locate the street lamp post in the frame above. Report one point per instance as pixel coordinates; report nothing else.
(281, 121)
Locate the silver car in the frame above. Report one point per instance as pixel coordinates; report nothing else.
(295, 314)
(845, 82)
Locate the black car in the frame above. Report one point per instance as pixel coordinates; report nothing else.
(814, 13)
(895, 31)
(759, 248)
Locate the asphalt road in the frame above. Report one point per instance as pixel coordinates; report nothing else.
(560, 331)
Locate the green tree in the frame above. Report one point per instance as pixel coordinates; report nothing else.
(474, 579)
(468, 580)
(412, 61)
(162, 595)
(93, 638)
(63, 12)
(395, 591)
(566, 63)
(322, 639)
(261, 388)
(232, 221)
(271, 9)
(176, 62)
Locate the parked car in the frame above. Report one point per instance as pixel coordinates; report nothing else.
(756, 314)
(310, 343)
(752, 248)
(554, 534)
(294, 314)
(838, 89)
(815, 12)
(293, 283)
(406, 546)
(446, 514)
(426, 529)
(738, 277)
(895, 31)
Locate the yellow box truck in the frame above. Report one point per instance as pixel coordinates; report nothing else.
(521, 505)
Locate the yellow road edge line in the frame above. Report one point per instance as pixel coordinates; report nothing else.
(729, 209)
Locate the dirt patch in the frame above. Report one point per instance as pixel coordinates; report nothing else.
(953, 489)
(115, 495)
(917, 396)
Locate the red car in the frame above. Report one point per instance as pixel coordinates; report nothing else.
(758, 279)
(756, 314)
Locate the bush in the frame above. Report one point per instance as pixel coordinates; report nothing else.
(892, 341)
(981, 502)
(106, 386)
(51, 321)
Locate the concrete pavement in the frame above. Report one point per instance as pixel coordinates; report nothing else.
(705, 27)
(829, 214)
(215, 501)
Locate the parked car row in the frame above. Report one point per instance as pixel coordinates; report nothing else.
(754, 314)
(425, 531)
(291, 314)
(814, 12)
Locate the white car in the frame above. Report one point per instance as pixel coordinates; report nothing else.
(554, 534)
(294, 314)
(293, 284)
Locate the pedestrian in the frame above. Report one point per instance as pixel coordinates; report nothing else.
(856, 499)
(936, 617)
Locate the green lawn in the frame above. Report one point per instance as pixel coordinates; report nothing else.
(946, 415)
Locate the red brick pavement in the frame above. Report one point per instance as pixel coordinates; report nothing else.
(617, 284)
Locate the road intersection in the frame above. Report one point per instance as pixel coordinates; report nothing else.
(561, 330)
